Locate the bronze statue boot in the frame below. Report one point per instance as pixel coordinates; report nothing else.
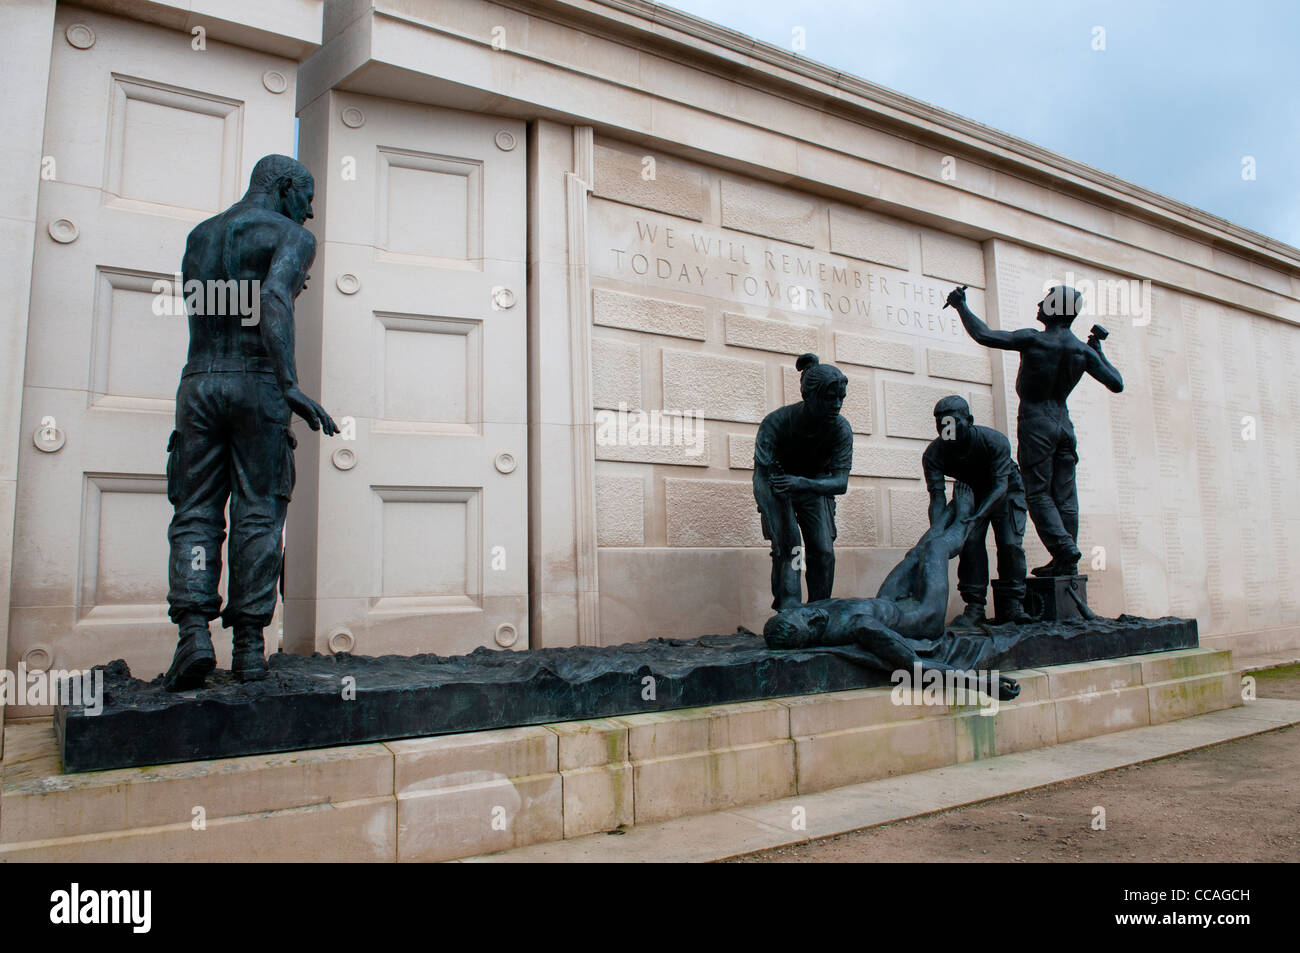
(972, 618)
(248, 661)
(1014, 611)
(1062, 564)
(194, 658)
(1045, 569)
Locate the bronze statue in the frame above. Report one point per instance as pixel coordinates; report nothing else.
(1052, 361)
(802, 456)
(980, 457)
(909, 607)
(232, 440)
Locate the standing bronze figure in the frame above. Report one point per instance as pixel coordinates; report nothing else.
(1052, 361)
(802, 457)
(980, 457)
(232, 443)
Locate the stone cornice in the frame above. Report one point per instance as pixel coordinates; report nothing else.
(742, 58)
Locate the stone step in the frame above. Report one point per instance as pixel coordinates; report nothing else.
(452, 796)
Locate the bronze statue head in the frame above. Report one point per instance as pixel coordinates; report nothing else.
(953, 419)
(822, 386)
(795, 628)
(1061, 305)
(288, 181)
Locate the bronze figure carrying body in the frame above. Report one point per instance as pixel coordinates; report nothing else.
(910, 605)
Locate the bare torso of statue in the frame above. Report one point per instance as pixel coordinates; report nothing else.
(232, 446)
(1052, 362)
(238, 246)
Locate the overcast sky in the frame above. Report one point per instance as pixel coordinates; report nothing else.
(1182, 92)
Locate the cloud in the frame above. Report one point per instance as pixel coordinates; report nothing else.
(1180, 94)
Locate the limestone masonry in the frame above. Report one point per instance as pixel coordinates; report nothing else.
(567, 253)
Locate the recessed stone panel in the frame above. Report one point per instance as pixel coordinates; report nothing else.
(430, 208)
(740, 451)
(862, 235)
(427, 545)
(909, 516)
(855, 517)
(614, 442)
(712, 513)
(136, 353)
(769, 211)
(615, 373)
(764, 335)
(872, 460)
(871, 350)
(124, 544)
(720, 388)
(981, 408)
(620, 510)
(952, 258)
(172, 148)
(429, 369)
(664, 184)
(615, 309)
(959, 365)
(909, 409)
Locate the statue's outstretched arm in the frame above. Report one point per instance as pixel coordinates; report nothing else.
(980, 332)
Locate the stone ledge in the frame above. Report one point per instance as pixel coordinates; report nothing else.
(704, 838)
(464, 795)
(329, 701)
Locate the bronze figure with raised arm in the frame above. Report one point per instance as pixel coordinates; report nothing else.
(1052, 362)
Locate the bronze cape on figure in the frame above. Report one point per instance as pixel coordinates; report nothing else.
(802, 456)
(232, 441)
(909, 606)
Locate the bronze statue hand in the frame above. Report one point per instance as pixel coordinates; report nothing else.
(783, 483)
(310, 411)
(957, 297)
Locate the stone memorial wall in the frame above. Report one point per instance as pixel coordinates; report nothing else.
(705, 287)
(560, 279)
